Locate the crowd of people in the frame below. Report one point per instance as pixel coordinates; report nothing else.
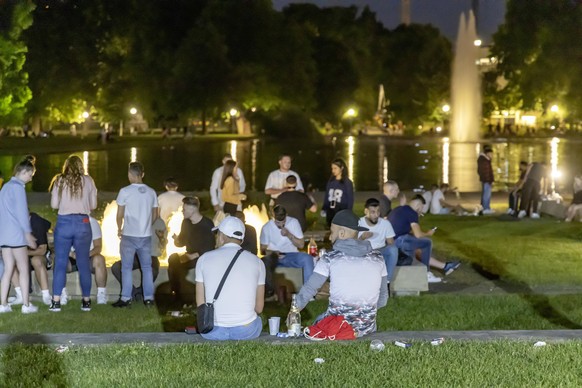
(360, 266)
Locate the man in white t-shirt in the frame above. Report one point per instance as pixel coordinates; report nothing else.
(357, 276)
(276, 181)
(380, 234)
(427, 195)
(280, 240)
(137, 208)
(438, 204)
(170, 201)
(216, 192)
(243, 295)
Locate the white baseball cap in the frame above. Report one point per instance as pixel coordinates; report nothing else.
(232, 227)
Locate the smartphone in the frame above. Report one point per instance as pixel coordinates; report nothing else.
(191, 330)
(435, 228)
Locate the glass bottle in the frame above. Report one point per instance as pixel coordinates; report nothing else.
(312, 247)
(294, 319)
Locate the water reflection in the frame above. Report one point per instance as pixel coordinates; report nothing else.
(555, 173)
(351, 147)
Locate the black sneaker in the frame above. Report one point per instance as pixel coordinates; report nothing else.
(55, 306)
(86, 305)
(122, 303)
(148, 303)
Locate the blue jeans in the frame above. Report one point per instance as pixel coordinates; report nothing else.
(409, 244)
(298, 260)
(390, 254)
(1, 267)
(486, 196)
(128, 248)
(245, 332)
(72, 230)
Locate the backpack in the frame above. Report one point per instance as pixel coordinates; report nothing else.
(332, 327)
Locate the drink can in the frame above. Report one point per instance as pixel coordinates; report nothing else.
(402, 344)
(437, 341)
(313, 250)
(282, 335)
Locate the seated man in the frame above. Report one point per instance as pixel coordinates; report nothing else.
(37, 257)
(197, 236)
(380, 234)
(357, 275)
(159, 239)
(410, 238)
(98, 267)
(427, 195)
(169, 201)
(390, 193)
(515, 193)
(438, 204)
(250, 241)
(296, 202)
(243, 295)
(281, 239)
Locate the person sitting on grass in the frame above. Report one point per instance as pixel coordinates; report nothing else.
(410, 238)
(576, 205)
(515, 193)
(170, 201)
(357, 275)
(439, 205)
(242, 297)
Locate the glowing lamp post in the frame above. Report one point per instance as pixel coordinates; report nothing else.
(233, 114)
(350, 114)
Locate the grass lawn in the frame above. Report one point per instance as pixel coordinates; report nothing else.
(455, 363)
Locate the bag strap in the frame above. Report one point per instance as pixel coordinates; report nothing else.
(226, 275)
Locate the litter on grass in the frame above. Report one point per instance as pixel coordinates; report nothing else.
(318, 360)
(539, 344)
(62, 349)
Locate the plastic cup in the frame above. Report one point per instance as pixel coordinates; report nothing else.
(274, 323)
(376, 346)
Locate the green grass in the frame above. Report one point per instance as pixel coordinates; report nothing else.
(455, 363)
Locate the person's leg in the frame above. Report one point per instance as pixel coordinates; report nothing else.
(82, 243)
(21, 262)
(127, 250)
(271, 261)
(409, 244)
(219, 333)
(116, 271)
(526, 196)
(390, 254)
(298, 260)
(145, 261)
(174, 273)
(535, 199)
(511, 200)
(39, 265)
(100, 269)
(486, 201)
(63, 240)
(8, 270)
(246, 332)
(155, 267)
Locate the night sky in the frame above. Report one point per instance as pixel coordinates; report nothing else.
(443, 14)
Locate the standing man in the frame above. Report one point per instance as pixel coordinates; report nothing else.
(215, 191)
(296, 202)
(170, 201)
(276, 181)
(137, 208)
(485, 172)
(390, 192)
(243, 296)
(357, 275)
(380, 234)
(410, 238)
(197, 236)
(281, 238)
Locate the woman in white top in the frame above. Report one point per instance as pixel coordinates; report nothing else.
(74, 194)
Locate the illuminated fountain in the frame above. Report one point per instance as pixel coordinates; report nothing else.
(466, 84)
(256, 218)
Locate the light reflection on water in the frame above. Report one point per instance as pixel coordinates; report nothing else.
(370, 162)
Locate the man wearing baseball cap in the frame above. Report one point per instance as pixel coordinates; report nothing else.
(357, 275)
(243, 295)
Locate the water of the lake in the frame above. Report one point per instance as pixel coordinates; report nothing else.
(412, 163)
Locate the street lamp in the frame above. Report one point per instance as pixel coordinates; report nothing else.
(350, 114)
(233, 113)
(133, 110)
(446, 108)
(554, 108)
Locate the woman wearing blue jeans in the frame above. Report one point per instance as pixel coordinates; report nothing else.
(74, 195)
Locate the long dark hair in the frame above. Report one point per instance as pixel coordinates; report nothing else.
(228, 170)
(343, 167)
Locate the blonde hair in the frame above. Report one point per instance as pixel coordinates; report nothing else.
(71, 177)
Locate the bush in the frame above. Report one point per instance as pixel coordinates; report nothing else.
(288, 123)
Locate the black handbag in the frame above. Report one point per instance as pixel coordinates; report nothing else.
(205, 312)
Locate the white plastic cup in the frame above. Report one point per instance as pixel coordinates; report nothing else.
(274, 323)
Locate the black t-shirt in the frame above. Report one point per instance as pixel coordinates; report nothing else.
(40, 228)
(296, 203)
(536, 172)
(197, 238)
(385, 206)
(250, 241)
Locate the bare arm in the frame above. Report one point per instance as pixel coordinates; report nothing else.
(390, 241)
(418, 233)
(200, 298)
(155, 214)
(119, 219)
(39, 251)
(271, 191)
(97, 244)
(298, 242)
(260, 299)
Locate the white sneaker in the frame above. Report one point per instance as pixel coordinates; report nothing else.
(534, 216)
(64, 297)
(46, 299)
(30, 309)
(5, 308)
(488, 211)
(101, 298)
(15, 300)
(521, 214)
(433, 279)
(510, 211)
